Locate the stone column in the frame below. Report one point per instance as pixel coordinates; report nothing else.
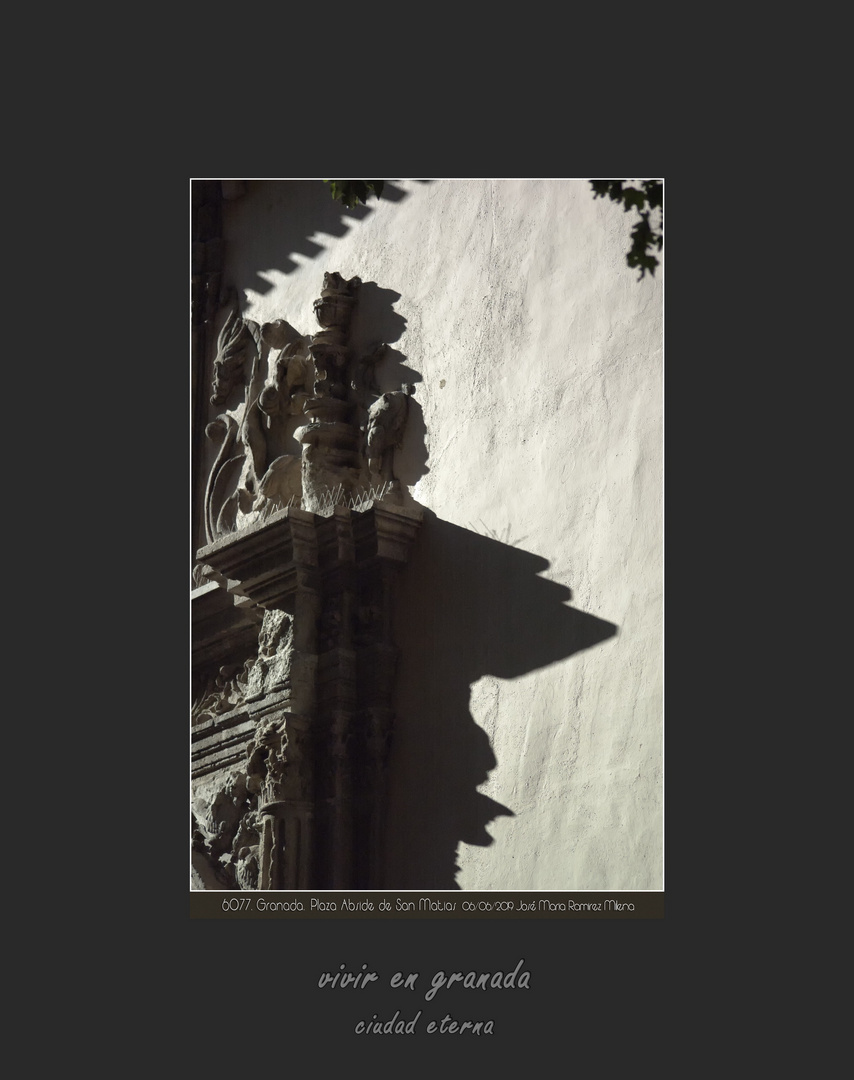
(331, 457)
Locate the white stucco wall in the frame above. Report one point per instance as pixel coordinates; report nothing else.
(536, 449)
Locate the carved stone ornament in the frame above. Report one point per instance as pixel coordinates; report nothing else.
(312, 429)
(293, 657)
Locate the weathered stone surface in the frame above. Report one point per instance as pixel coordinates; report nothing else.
(290, 743)
(285, 718)
(269, 378)
(384, 432)
(221, 628)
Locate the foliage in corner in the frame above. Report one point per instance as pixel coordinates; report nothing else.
(644, 199)
(352, 192)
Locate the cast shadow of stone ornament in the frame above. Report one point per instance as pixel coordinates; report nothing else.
(469, 606)
(375, 319)
(298, 213)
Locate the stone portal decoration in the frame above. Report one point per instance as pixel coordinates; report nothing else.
(312, 430)
(293, 655)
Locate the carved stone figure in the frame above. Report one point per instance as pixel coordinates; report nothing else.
(385, 427)
(258, 464)
(271, 668)
(235, 342)
(266, 460)
(225, 821)
(227, 693)
(266, 757)
(246, 867)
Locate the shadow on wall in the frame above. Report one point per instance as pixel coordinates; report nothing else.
(375, 320)
(468, 606)
(302, 209)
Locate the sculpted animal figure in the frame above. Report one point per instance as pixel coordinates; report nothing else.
(385, 427)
